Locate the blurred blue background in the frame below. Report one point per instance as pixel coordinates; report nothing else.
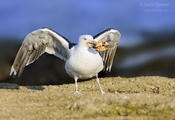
(147, 28)
(76, 17)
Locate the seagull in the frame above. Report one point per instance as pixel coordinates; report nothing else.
(82, 61)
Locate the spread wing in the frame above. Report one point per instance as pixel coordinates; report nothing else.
(35, 44)
(111, 36)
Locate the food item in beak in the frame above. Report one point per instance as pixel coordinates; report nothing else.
(101, 46)
(90, 44)
(98, 46)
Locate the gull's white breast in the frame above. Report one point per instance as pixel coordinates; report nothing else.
(83, 63)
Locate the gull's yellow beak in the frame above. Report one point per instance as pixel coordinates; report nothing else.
(91, 44)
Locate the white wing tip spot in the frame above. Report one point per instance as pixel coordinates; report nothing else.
(13, 71)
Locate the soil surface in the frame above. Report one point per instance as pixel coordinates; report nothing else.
(133, 98)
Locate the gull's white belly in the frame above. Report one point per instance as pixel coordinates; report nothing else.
(84, 64)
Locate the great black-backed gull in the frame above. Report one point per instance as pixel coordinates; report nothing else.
(82, 61)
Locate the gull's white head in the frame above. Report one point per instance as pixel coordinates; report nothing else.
(84, 40)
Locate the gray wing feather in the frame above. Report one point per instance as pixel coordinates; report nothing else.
(37, 43)
(111, 36)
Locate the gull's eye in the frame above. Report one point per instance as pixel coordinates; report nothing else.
(84, 38)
